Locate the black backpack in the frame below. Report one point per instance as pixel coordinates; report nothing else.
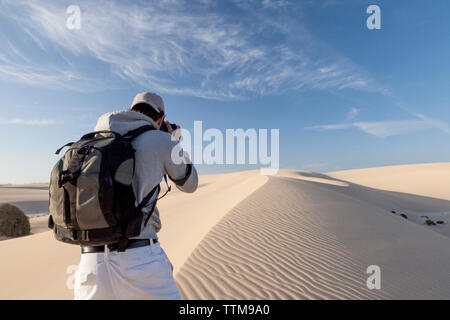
(92, 201)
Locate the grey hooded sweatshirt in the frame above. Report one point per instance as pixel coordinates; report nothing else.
(153, 160)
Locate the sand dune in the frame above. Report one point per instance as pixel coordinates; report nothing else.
(35, 267)
(416, 207)
(297, 239)
(419, 191)
(430, 180)
(297, 235)
(30, 198)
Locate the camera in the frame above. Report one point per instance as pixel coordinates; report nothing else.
(165, 129)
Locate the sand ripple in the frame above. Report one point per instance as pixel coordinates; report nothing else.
(271, 247)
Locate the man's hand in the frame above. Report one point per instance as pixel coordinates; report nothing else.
(175, 133)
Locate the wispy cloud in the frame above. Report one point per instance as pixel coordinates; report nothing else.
(25, 71)
(274, 3)
(27, 122)
(384, 129)
(352, 114)
(174, 46)
(434, 123)
(336, 126)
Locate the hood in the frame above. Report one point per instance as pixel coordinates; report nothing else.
(123, 121)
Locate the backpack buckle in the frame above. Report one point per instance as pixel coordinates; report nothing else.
(85, 235)
(82, 235)
(123, 244)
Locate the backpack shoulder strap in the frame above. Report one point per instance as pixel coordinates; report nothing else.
(66, 145)
(130, 136)
(133, 134)
(147, 198)
(144, 202)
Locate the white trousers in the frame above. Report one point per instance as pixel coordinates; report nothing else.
(143, 273)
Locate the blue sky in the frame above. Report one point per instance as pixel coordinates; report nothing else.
(343, 96)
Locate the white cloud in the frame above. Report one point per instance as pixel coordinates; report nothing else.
(274, 3)
(384, 129)
(434, 123)
(163, 46)
(27, 122)
(336, 126)
(18, 68)
(352, 114)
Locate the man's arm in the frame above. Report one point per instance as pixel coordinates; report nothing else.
(179, 168)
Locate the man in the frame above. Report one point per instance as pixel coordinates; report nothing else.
(143, 271)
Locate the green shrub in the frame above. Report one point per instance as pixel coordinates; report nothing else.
(13, 222)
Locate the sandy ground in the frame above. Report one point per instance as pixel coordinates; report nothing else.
(30, 198)
(296, 235)
(429, 180)
(38, 224)
(408, 182)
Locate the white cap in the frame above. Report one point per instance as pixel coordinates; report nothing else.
(151, 99)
